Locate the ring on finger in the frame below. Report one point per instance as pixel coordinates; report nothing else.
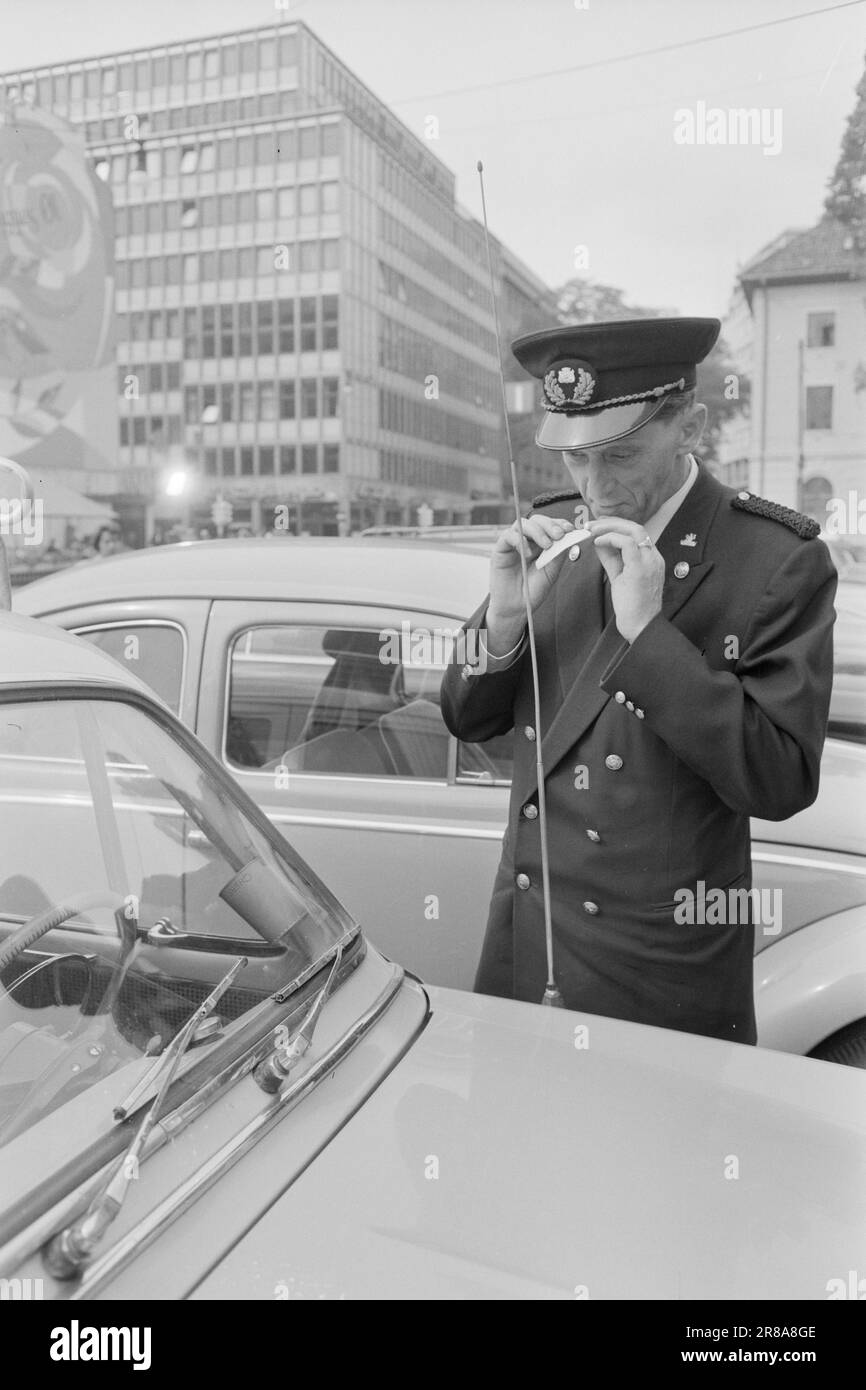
(646, 541)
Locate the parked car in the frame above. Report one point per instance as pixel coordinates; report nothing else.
(271, 653)
(212, 1086)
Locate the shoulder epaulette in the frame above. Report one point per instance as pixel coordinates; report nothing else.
(795, 521)
(547, 499)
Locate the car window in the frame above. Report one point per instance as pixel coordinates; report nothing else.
(848, 701)
(486, 762)
(128, 874)
(153, 651)
(341, 701)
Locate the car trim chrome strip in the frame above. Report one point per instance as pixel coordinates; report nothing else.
(802, 863)
(395, 826)
(151, 1226)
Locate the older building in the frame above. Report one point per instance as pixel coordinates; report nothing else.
(798, 329)
(305, 329)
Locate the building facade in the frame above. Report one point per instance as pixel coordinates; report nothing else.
(798, 328)
(305, 330)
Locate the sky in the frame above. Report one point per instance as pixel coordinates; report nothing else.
(603, 171)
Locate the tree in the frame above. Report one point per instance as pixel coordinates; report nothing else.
(846, 196)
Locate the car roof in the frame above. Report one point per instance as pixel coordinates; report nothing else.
(413, 573)
(35, 652)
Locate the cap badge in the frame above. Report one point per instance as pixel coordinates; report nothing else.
(568, 385)
(690, 539)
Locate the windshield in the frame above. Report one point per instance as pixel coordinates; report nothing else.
(130, 877)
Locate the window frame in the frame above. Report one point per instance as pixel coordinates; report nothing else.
(148, 622)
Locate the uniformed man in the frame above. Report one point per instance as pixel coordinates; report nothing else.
(685, 664)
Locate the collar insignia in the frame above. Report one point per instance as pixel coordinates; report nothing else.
(690, 539)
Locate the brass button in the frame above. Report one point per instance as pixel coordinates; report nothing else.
(530, 733)
(613, 761)
(574, 553)
(640, 714)
(591, 908)
(744, 496)
(620, 697)
(593, 835)
(523, 881)
(530, 811)
(681, 569)
(629, 704)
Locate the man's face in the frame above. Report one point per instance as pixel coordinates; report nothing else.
(632, 477)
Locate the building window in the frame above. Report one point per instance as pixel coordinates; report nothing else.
(308, 256)
(309, 142)
(246, 262)
(288, 461)
(226, 154)
(190, 269)
(267, 401)
(330, 139)
(330, 396)
(285, 203)
(139, 435)
(286, 142)
(210, 461)
(819, 407)
(189, 213)
(265, 150)
(154, 377)
(227, 327)
(331, 458)
(286, 321)
(331, 254)
(330, 197)
(247, 461)
(821, 330)
(172, 270)
(227, 401)
(288, 52)
(245, 151)
(227, 264)
(245, 330)
(208, 331)
(265, 328)
(188, 159)
(309, 200)
(247, 399)
(330, 318)
(308, 325)
(190, 333)
(287, 400)
(228, 461)
(309, 459)
(264, 205)
(309, 399)
(266, 459)
(246, 207)
(172, 376)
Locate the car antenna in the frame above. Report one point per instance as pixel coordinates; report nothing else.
(552, 997)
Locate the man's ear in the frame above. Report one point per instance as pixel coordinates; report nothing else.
(694, 423)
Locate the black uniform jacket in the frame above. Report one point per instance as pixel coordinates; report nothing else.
(655, 756)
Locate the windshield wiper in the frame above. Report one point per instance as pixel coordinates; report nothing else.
(71, 1248)
(272, 1072)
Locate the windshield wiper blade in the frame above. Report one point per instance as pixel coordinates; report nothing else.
(272, 1072)
(71, 1248)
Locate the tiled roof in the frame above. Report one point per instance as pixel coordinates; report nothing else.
(825, 252)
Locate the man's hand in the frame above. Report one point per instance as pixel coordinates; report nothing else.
(506, 615)
(636, 572)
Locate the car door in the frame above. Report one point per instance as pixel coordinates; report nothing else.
(342, 745)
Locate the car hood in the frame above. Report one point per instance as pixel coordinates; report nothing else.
(519, 1153)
